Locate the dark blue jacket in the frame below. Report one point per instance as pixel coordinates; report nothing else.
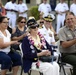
(30, 53)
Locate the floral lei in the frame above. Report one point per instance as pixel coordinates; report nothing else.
(42, 39)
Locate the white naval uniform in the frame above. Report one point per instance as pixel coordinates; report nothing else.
(21, 8)
(73, 8)
(10, 14)
(50, 39)
(61, 7)
(45, 8)
(46, 33)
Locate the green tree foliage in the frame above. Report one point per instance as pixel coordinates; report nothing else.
(34, 12)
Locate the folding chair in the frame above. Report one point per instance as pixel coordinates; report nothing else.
(63, 64)
(29, 73)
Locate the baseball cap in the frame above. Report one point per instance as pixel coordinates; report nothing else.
(31, 23)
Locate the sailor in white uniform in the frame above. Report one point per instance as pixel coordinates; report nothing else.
(47, 32)
(22, 9)
(73, 7)
(11, 8)
(45, 8)
(61, 10)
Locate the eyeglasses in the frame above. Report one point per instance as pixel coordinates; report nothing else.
(22, 22)
(5, 22)
(34, 27)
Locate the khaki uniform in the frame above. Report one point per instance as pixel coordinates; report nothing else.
(68, 54)
(65, 34)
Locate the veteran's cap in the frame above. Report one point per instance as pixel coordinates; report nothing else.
(31, 22)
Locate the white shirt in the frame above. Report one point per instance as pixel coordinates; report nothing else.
(5, 40)
(21, 8)
(73, 8)
(45, 8)
(10, 5)
(61, 7)
(46, 35)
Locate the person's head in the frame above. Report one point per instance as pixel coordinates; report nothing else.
(13, 1)
(74, 1)
(48, 21)
(3, 22)
(70, 19)
(32, 26)
(44, 1)
(61, 1)
(21, 21)
(20, 1)
(41, 22)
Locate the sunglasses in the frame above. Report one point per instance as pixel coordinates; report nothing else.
(42, 22)
(22, 22)
(34, 27)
